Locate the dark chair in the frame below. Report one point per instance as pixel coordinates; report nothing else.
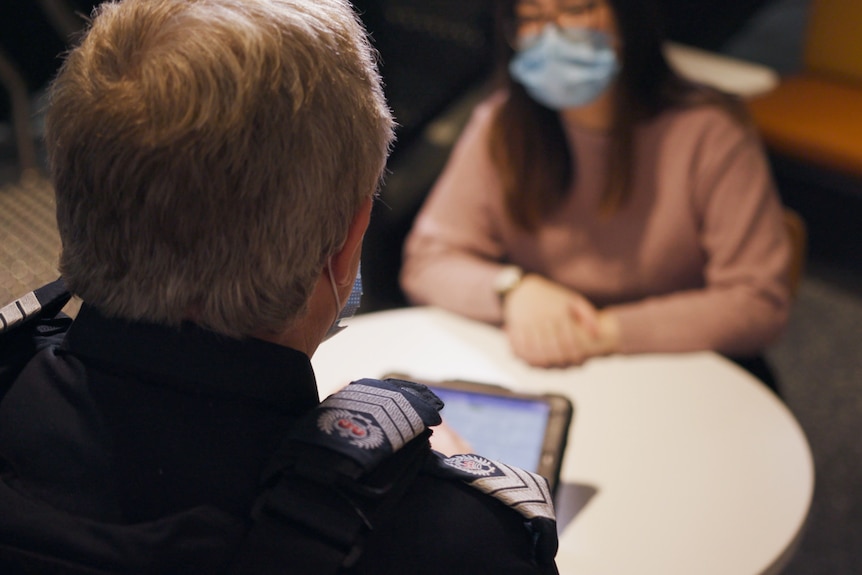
(815, 116)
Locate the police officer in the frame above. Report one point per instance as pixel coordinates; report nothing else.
(215, 164)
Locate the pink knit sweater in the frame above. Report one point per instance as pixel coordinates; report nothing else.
(698, 259)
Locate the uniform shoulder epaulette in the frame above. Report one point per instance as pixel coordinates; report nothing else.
(42, 303)
(28, 324)
(527, 493)
(359, 427)
(342, 469)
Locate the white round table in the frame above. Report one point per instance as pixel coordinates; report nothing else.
(676, 464)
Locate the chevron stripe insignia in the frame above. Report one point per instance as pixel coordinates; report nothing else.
(369, 420)
(390, 410)
(526, 492)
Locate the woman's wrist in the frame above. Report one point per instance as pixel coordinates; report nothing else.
(608, 339)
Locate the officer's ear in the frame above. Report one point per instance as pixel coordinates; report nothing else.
(345, 261)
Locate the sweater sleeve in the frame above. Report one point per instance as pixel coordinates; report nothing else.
(745, 301)
(454, 250)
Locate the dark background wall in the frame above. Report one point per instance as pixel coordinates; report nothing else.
(429, 47)
(29, 38)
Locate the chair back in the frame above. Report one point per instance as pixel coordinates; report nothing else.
(798, 233)
(833, 42)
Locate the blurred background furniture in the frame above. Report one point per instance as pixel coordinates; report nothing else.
(812, 126)
(732, 75)
(798, 233)
(433, 53)
(815, 115)
(19, 112)
(33, 35)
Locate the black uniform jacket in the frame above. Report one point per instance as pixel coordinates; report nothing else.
(135, 448)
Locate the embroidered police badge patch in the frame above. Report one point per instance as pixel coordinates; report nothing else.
(472, 464)
(355, 427)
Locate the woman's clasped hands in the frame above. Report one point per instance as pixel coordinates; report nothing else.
(549, 325)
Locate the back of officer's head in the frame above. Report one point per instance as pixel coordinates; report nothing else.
(209, 155)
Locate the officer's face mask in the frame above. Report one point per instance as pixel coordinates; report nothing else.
(350, 307)
(565, 67)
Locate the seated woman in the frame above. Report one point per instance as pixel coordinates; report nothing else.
(598, 203)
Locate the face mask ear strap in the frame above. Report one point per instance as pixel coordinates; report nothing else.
(350, 306)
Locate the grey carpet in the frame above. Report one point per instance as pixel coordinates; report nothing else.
(29, 243)
(819, 362)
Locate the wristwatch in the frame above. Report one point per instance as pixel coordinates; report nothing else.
(507, 279)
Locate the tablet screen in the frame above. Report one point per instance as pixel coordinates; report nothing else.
(508, 429)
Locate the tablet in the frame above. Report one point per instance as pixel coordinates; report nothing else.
(522, 429)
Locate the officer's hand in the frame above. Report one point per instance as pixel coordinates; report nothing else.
(448, 442)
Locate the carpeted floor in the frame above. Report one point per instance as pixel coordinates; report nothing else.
(819, 362)
(29, 244)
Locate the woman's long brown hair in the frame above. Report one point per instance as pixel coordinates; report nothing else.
(528, 143)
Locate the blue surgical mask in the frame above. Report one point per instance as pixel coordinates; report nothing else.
(350, 306)
(565, 69)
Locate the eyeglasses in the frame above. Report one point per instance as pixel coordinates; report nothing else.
(530, 19)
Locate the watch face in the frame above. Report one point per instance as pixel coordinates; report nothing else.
(507, 279)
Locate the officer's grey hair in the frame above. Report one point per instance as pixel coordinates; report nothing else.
(209, 155)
